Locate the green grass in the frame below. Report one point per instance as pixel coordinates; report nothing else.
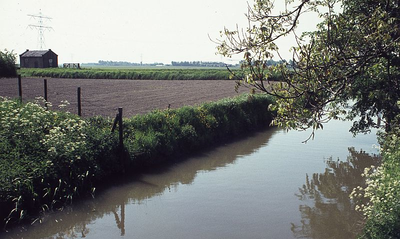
(49, 158)
(131, 73)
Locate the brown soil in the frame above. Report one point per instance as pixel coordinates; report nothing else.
(104, 97)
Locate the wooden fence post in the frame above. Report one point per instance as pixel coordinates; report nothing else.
(121, 136)
(45, 89)
(118, 120)
(79, 102)
(45, 92)
(20, 88)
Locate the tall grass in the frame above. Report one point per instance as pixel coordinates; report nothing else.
(48, 158)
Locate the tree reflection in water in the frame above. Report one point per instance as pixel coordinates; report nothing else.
(327, 211)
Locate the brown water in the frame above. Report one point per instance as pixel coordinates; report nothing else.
(269, 185)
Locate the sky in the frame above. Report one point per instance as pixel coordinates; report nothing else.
(84, 31)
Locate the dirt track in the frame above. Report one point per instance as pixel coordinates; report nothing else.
(103, 97)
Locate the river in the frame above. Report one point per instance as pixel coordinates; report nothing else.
(268, 185)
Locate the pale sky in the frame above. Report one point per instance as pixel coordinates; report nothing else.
(123, 30)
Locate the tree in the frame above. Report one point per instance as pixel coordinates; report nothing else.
(347, 68)
(7, 64)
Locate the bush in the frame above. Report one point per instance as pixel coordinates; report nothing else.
(7, 64)
(47, 157)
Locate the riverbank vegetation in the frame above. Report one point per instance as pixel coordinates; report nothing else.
(49, 158)
(348, 68)
(379, 201)
(131, 73)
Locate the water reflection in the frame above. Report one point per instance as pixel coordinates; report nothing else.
(74, 222)
(120, 222)
(327, 211)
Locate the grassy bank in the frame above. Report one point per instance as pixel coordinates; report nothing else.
(49, 158)
(130, 73)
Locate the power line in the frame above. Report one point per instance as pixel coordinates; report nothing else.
(40, 27)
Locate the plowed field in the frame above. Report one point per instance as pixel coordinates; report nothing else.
(104, 97)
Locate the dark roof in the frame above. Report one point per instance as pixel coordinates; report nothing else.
(35, 53)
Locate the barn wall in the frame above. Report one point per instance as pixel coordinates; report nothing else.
(50, 56)
(50, 59)
(31, 62)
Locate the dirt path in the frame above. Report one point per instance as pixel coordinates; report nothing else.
(103, 97)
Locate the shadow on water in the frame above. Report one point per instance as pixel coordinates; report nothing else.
(327, 210)
(73, 221)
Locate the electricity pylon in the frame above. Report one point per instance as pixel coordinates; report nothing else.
(40, 27)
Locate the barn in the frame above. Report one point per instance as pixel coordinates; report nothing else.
(38, 59)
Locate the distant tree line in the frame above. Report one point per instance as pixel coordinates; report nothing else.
(274, 63)
(123, 63)
(175, 63)
(269, 62)
(200, 64)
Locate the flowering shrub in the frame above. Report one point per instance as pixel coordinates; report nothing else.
(380, 200)
(66, 139)
(41, 156)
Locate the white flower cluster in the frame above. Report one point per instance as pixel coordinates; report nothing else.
(16, 120)
(64, 103)
(380, 199)
(67, 138)
(61, 134)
